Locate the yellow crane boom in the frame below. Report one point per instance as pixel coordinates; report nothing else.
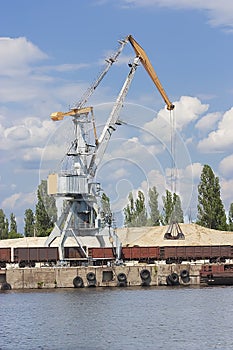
(73, 112)
(141, 54)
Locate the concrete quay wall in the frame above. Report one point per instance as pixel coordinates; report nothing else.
(101, 276)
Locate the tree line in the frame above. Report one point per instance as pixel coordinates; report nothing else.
(210, 210)
(136, 214)
(37, 224)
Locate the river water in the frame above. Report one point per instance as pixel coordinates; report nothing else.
(117, 319)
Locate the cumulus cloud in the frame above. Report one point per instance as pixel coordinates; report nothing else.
(155, 178)
(17, 133)
(28, 138)
(221, 139)
(17, 54)
(187, 110)
(18, 201)
(9, 203)
(226, 166)
(208, 122)
(227, 192)
(193, 170)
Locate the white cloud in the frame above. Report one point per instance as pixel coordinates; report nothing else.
(220, 13)
(17, 133)
(18, 200)
(208, 122)
(221, 139)
(187, 109)
(156, 178)
(30, 132)
(16, 55)
(226, 166)
(227, 192)
(193, 170)
(9, 203)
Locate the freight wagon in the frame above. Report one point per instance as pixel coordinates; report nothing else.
(101, 253)
(30, 256)
(170, 254)
(75, 256)
(5, 256)
(142, 254)
(177, 254)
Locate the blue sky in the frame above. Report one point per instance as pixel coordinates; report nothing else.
(51, 51)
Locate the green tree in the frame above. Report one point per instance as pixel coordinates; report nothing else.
(4, 226)
(43, 222)
(48, 201)
(129, 211)
(14, 234)
(105, 204)
(168, 207)
(106, 213)
(140, 210)
(135, 211)
(154, 208)
(230, 218)
(29, 223)
(210, 208)
(177, 209)
(13, 224)
(172, 208)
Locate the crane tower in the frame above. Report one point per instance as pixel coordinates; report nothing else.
(78, 209)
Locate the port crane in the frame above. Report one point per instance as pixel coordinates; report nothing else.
(80, 214)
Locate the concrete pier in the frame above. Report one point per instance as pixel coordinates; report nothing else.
(100, 276)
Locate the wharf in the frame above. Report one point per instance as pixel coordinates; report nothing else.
(100, 276)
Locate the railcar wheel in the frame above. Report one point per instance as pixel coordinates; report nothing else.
(22, 264)
(168, 261)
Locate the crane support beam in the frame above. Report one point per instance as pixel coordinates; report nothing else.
(112, 121)
(109, 63)
(150, 70)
